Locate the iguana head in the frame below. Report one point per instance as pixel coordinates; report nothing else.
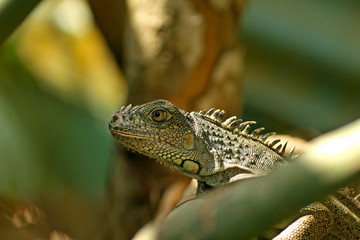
(162, 131)
(198, 144)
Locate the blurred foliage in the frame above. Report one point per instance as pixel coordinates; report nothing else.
(69, 57)
(59, 86)
(45, 142)
(13, 13)
(303, 64)
(56, 95)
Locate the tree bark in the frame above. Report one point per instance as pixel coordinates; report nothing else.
(186, 51)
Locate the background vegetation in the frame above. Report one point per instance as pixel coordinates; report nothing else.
(70, 65)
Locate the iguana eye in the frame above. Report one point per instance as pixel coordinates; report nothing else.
(159, 115)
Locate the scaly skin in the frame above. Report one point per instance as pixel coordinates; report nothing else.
(215, 152)
(193, 143)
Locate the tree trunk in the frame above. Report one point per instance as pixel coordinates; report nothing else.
(186, 51)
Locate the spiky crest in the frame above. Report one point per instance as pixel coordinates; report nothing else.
(237, 126)
(350, 198)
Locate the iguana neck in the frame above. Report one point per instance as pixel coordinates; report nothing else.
(234, 149)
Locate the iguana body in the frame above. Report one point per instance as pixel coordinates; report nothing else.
(215, 152)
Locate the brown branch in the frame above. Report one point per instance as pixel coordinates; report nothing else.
(248, 208)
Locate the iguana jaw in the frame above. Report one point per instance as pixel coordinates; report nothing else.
(130, 135)
(136, 142)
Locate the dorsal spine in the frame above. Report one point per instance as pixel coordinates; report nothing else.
(237, 126)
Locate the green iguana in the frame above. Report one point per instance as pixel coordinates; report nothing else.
(214, 151)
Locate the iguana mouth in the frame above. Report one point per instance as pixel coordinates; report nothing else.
(127, 134)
